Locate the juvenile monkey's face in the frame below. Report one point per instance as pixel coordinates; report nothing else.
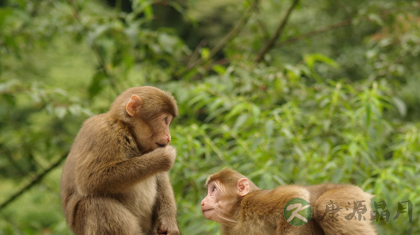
(208, 204)
(213, 205)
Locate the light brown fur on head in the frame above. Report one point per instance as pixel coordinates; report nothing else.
(154, 100)
(229, 178)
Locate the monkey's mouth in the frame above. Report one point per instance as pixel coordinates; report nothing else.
(160, 145)
(208, 210)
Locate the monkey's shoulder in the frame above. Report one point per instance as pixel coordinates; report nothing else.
(103, 133)
(94, 126)
(104, 123)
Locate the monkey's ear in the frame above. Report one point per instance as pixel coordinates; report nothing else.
(133, 106)
(243, 187)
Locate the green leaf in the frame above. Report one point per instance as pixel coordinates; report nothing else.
(241, 107)
(338, 175)
(311, 59)
(353, 149)
(240, 121)
(205, 53)
(349, 162)
(368, 114)
(167, 42)
(401, 107)
(219, 69)
(97, 84)
(60, 112)
(376, 18)
(269, 128)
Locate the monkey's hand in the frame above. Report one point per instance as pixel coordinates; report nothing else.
(166, 155)
(168, 228)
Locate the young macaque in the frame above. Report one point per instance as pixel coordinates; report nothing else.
(115, 180)
(242, 208)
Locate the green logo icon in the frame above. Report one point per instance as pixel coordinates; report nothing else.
(297, 212)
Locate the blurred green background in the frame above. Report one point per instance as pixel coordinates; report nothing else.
(283, 91)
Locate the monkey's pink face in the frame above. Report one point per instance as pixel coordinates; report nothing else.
(210, 205)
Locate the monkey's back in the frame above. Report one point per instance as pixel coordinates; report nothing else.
(83, 146)
(262, 212)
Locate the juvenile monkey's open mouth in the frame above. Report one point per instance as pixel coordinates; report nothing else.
(161, 145)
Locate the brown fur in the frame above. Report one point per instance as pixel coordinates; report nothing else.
(229, 178)
(260, 212)
(115, 179)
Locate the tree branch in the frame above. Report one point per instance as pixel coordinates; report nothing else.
(33, 182)
(341, 24)
(270, 44)
(235, 31)
(318, 31)
(194, 56)
(222, 43)
(96, 49)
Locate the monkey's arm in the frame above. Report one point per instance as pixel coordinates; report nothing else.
(165, 207)
(117, 175)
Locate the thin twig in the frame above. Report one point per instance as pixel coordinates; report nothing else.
(96, 49)
(318, 31)
(270, 44)
(341, 24)
(210, 142)
(222, 43)
(33, 182)
(235, 31)
(75, 10)
(196, 52)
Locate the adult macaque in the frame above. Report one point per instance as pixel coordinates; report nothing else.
(242, 208)
(115, 179)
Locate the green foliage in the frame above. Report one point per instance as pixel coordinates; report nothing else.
(334, 100)
(333, 131)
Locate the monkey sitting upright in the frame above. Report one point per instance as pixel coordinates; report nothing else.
(115, 180)
(242, 208)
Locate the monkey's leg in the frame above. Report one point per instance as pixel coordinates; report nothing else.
(335, 207)
(165, 206)
(105, 216)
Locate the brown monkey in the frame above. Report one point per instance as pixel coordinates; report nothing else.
(115, 179)
(242, 208)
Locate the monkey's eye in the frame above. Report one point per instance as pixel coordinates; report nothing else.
(166, 120)
(212, 189)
